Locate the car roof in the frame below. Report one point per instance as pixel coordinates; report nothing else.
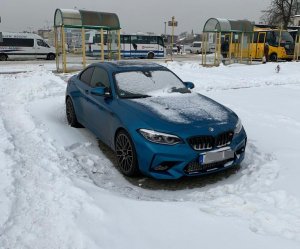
(123, 66)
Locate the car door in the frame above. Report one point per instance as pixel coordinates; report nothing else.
(83, 90)
(42, 49)
(99, 107)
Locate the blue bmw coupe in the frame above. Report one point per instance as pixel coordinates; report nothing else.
(153, 121)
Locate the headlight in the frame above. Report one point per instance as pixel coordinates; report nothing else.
(238, 127)
(159, 137)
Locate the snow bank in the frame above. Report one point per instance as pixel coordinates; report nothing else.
(58, 190)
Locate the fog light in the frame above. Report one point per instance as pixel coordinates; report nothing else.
(164, 166)
(161, 168)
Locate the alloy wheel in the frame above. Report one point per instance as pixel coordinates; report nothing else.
(126, 154)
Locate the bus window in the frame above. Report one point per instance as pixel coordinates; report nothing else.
(87, 38)
(152, 39)
(285, 37)
(161, 41)
(255, 37)
(126, 39)
(134, 39)
(271, 39)
(97, 38)
(139, 39)
(261, 37)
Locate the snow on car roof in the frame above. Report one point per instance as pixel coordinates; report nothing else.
(129, 65)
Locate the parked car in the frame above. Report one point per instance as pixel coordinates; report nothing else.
(196, 47)
(153, 121)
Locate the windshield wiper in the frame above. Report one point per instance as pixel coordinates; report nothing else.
(180, 90)
(140, 96)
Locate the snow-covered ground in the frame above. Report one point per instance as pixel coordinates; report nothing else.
(59, 190)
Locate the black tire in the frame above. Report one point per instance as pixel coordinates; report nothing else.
(71, 115)
(150, 55)
(51, 57)
(198, 52)
(126, 154)
(273, 57)
(3, 57)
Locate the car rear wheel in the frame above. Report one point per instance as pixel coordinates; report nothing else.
(71, 115)
(3, 57)
(126, 154)
(50, 57)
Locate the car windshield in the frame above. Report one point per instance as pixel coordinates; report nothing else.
(142, 84)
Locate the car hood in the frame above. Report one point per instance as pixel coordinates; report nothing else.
(178, 111)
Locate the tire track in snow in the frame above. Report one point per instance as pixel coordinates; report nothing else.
(45, 202)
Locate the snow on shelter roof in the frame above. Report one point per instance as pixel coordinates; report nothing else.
(226, 25)
(71, 18)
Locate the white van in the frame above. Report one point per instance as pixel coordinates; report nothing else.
(196, 47)
(24, 45)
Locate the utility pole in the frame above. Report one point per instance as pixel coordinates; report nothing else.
(165, 28)
(173, 24)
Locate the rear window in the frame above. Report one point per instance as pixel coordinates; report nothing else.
(16, 42)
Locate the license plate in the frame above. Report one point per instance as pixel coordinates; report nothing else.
(215, 156)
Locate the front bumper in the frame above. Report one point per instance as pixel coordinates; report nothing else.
(173, 162)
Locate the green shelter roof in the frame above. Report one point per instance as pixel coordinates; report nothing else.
(226, 25)
(72, 18)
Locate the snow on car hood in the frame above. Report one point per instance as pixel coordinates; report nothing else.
(185, 108)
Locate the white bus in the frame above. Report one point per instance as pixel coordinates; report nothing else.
(132, 45)
(24, 45)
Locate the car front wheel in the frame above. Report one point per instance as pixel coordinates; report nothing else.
(71, 115)
(126, 154)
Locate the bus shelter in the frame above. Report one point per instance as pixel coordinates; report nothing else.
(230, 40)
(295, 32)
(72, 25)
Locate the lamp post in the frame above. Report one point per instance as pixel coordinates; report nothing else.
(165, 28)
(173, 24)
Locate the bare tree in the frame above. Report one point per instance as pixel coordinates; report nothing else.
(280, 12)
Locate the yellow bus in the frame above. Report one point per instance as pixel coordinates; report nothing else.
(281, 44)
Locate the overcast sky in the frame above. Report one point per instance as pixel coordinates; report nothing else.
(134, 15)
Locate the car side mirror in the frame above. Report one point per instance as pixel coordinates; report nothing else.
(100, 91)
(189, 85)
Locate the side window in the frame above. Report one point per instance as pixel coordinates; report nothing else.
(255, 37)
(153, 39)
(160, 41)
(126, 39)
(100, 78)
(134, 39)
(87, 75)
(261, 37)
(271, 38)
(41, 43)
(15, 42)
